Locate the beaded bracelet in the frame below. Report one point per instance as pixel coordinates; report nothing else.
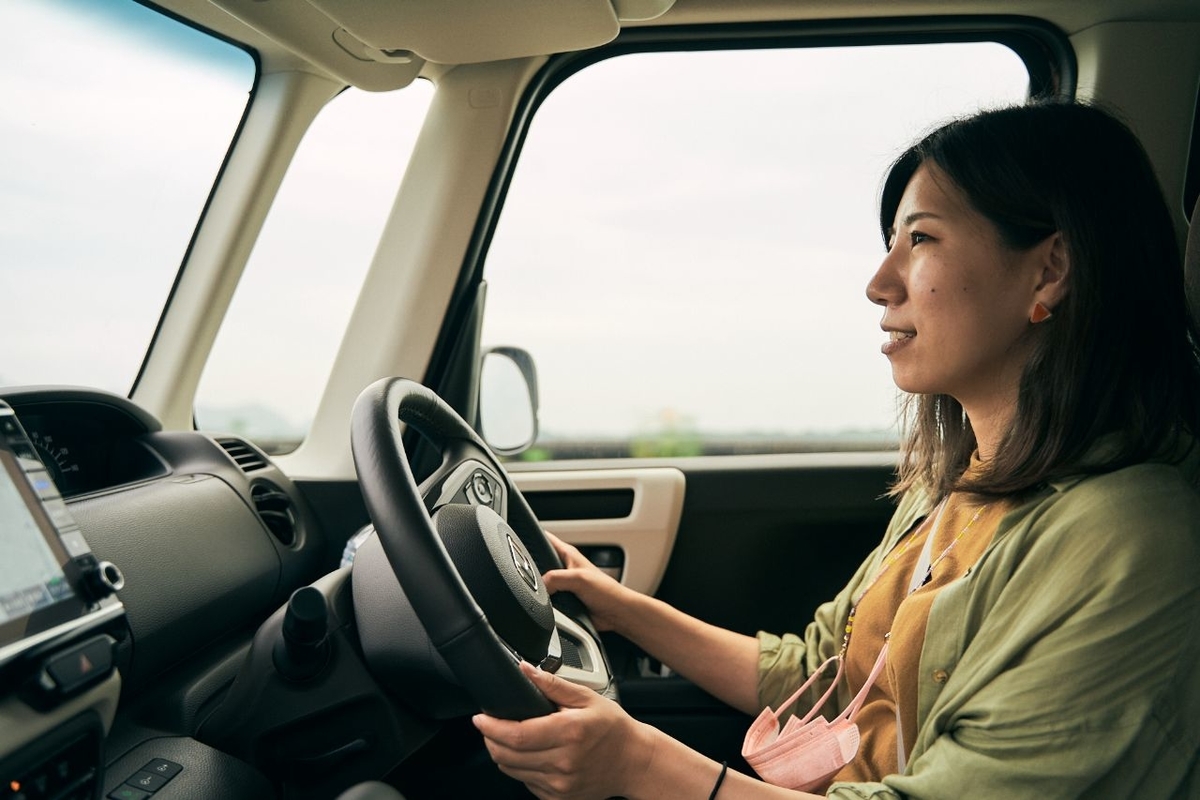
(720, 779)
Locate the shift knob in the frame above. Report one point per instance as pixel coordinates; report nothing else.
(307, 619)
(302, 650)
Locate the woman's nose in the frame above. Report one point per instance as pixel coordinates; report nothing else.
(885, 287)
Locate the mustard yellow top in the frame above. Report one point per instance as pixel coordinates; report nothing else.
(965, 525)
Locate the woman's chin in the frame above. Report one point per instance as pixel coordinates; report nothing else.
(908, 383)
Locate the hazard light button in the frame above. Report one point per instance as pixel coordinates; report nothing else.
(83, 664)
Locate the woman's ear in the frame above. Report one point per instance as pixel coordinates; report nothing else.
(1053, 262)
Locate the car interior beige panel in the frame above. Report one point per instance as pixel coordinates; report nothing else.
(396, 319)
(310, 34)
(641, 10)
(336, 36)
(1141, 69)
(278, 40)
(647, 535)
(1069, 16)
(466, 31)
(21, 725)
(282, 108)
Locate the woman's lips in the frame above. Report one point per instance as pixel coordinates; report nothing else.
(896, 341)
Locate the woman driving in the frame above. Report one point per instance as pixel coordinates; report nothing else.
(1030, 624)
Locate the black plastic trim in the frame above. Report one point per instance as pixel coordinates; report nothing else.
(26, 399)
(558, 506)
(1191, 185)
(206, 772)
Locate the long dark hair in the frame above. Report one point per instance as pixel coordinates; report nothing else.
(1119, 355)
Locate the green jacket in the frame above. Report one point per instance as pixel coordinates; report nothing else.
(1065, 664)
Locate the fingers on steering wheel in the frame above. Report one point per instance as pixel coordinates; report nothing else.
(568, 553)
(562, 548)
(569, 579)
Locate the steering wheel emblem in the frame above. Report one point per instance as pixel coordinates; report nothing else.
(524, 568)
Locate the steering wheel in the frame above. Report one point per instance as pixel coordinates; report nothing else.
(469, 553)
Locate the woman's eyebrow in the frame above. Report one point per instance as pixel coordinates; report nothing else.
(890, 233)
(916, 215)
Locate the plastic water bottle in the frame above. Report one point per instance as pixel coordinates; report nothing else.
(355, 542)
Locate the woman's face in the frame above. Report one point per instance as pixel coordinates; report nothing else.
(957, 301)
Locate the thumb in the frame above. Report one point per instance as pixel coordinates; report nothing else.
(558, 691)
(559, 580)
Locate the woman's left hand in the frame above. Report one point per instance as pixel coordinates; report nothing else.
(589, 748)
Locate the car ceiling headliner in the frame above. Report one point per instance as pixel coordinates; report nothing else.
(296, 35)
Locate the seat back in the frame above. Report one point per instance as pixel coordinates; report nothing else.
(1191, 264)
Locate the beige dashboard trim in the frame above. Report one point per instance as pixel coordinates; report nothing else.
(647, 535)
(21, 725)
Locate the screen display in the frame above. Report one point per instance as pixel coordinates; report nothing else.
(31, 577)
(42, 552)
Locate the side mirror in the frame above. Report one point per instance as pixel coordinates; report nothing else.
(508, 400)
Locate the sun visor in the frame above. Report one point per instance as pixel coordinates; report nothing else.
(303, 29)
(471, 31)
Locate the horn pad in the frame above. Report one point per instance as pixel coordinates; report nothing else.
(500, 575)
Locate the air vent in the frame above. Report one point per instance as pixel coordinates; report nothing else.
(274, 507)
(241, 452)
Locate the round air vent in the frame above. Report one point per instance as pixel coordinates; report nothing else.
(275, 508)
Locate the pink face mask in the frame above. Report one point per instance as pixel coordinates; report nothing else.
(808, 751)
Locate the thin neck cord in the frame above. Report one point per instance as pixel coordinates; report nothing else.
(895, 556)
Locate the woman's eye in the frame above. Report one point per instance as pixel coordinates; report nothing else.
(916, 237)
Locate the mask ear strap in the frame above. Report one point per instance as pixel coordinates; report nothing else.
(808, 684)
(852, 710)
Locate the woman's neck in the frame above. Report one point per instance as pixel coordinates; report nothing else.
(989, 422)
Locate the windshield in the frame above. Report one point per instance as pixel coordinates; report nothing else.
(108, 164)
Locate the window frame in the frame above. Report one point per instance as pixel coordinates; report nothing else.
(185, 259)
(1042, 47)
(286, 197)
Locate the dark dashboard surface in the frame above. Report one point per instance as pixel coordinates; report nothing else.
(208, 543)
(87, 440)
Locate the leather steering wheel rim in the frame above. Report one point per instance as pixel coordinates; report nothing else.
(457, 627)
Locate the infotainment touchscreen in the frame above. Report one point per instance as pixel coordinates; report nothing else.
(31, 575)
(49, 581)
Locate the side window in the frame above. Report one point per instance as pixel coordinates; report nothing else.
(277, 344)
(687, 239)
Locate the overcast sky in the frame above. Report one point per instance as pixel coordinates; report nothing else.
(112, 138)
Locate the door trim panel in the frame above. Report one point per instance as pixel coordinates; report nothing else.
(646, 535)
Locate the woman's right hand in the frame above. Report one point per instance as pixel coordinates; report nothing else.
(606, 598)
(721, 662)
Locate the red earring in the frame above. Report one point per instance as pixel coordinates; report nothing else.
(1040, 314)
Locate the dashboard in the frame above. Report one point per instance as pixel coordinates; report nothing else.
(192, 538)
(194, 685)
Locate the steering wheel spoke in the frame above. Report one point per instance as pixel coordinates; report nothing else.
(467, 480)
